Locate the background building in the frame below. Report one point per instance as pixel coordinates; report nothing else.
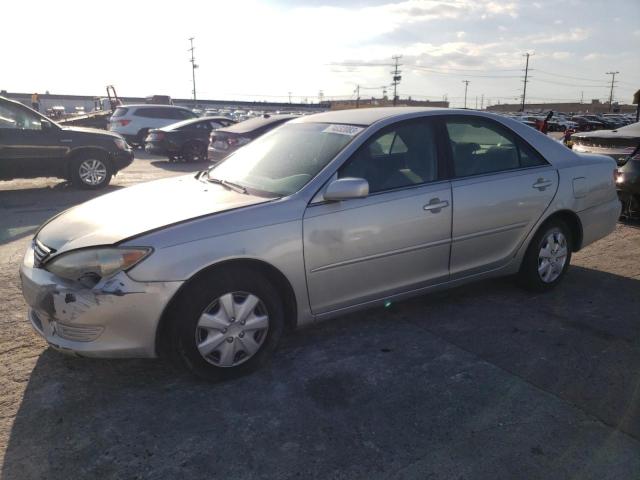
(596, 106)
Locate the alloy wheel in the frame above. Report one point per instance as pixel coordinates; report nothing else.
(552, 256)
(232, 329)
(92, 172)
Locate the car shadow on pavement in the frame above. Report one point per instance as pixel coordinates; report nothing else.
(181, 166)
(22, 211)
(542, 385)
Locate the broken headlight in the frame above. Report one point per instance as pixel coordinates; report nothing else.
(95, 262)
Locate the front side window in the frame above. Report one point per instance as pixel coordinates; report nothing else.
(403, 156)
(479, 146)
(285, 159)
(16, 118)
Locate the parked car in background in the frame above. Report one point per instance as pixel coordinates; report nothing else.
(327, 214)
(586, 125)
(628, 185)
(187, 140)
(617, 144)
(32, 145)
(133, 122)
(225, 141)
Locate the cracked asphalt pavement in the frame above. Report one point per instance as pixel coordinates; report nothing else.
(481, 382)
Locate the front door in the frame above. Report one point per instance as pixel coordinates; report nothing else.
(501, 187)
(394, 240)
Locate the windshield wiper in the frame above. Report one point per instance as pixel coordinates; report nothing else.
(230, 185)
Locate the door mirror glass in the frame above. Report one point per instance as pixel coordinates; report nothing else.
(346, 188)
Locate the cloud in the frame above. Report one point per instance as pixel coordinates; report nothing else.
(593, 56)
(460, 35)
(574, 35)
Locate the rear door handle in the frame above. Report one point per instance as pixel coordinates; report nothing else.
(542, 184)
(435, 205)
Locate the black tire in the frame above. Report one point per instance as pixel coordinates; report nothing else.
(142, 134)
(194, 152)
(529, 275)
(83, 163)
(198, 297)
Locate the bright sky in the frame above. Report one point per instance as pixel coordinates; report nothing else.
(263, 50)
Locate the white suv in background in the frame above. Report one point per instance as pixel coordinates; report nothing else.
(133, 122)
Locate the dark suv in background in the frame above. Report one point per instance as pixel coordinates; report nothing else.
(31, 145)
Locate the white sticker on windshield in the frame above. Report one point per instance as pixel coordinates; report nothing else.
(349, 130)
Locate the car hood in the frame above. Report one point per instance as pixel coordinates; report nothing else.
(132, 211)
(92, 131)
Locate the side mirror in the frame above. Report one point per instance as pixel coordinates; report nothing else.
(46, 126)
(346, 188)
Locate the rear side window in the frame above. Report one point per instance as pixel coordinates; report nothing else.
(120, 112)
(166, 113)
(479, 146)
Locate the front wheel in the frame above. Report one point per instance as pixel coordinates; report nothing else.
(227, 324)
(547, 258)
(91, 171)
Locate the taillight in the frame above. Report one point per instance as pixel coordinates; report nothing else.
(123, 123)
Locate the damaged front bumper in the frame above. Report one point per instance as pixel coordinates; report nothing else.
(118, 317)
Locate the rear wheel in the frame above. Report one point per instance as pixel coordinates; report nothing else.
(547, 258)
(227, 324)
(142, 134)
(91, 170)
(194, 152)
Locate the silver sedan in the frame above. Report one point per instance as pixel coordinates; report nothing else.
(324, 215)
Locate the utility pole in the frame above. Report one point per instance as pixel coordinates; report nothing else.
(613, 79)
(289, 96)
(396, 77)
(466, 86)
(476, 102)
(320, 96)
(193, 71)
(482, 102)
(526, 79)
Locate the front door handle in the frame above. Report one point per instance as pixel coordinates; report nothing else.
(542, 183)
(435, 205)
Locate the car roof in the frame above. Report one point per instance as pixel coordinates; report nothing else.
(151, 105)
(256, 122)
(365, 116)
(190, 121)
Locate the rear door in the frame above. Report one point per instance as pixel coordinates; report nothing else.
(394, 240)
(501, 187)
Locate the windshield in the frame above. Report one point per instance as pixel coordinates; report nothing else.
(284, 160)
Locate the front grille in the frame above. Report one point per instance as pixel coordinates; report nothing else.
(40, 252)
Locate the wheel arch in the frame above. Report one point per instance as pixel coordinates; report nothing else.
(572, 221)
(278, 279)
